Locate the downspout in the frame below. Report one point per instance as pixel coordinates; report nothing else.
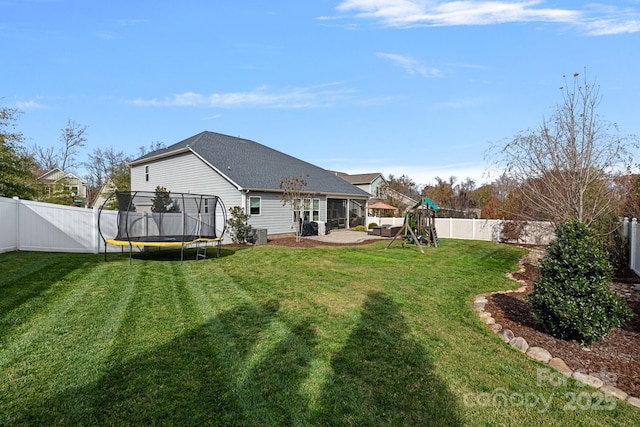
(243, 201)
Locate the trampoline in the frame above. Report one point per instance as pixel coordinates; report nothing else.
(166, 220)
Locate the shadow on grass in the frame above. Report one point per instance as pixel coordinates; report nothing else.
(173, 255)
(383, 377)
(207, 376)
(246, 367)
(28, 276)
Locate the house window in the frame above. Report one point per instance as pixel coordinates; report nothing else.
(254, 205)
(206, 206)
(146, 173)
(310, 210)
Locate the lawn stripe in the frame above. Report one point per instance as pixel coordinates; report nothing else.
(86, 317)
(269, 336)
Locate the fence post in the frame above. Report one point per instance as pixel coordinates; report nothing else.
(17, 199)
(632, 244)
(473, 229)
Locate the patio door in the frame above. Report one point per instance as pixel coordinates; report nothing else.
(337, 213)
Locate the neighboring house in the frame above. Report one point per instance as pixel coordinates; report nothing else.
(61, 186)
(376, 185)
(105, 191)
(372, 183)
(248, 174)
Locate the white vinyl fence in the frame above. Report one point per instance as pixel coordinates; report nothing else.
(631, 230)
(35, 226)
(534, 233)
(45, 227)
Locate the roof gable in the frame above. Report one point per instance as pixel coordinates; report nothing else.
(254, 166)
(361, 178)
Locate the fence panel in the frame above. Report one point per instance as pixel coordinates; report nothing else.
(34, 226)
(55, 228)
(8, 224)
(632, 232)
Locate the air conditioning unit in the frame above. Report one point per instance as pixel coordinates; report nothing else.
(260, 236)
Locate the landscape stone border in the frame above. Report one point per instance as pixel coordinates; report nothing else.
(542, 355)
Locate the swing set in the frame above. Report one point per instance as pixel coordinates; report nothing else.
(419, 227)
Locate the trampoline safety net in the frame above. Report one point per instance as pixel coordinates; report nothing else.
(163, 218)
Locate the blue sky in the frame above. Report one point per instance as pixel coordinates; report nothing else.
(411, 87)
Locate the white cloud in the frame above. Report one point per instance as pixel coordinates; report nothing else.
(596, 20)
(319, 96)
(608, 20)
(410, 65)
(30, 105)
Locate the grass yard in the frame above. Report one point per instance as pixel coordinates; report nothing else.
(272, 335)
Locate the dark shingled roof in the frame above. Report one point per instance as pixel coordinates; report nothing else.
(254, 166)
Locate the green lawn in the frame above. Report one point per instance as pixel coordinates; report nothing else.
(269, 335)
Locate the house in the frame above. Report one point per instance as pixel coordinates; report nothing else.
(248, 174)
(104, 192)
(61, 186)
(372, 183)
(376, 185)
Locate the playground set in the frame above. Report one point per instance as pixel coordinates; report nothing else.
(419, 227)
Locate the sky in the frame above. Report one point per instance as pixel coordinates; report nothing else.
(401, 87)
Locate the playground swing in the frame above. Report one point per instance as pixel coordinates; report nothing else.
(419, 226)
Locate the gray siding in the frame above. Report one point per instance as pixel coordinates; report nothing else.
(185, 173)
(275, 217)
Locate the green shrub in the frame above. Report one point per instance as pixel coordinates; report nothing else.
(238, 226)
(570, 297)
(372, 224)
(360, 228)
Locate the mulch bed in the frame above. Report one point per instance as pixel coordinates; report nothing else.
(615, 359)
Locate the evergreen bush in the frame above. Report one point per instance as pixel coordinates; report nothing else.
(570, 296)
(372, 224)
(238, 224)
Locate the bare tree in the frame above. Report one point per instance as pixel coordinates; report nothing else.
(454, 198)
(292, 195)
(46, 158)
(73, 138)
(153, 146)
(105, 164)
(405, 185)
(564, 169)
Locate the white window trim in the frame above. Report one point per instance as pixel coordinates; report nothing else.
(307, 208)
(259, 206)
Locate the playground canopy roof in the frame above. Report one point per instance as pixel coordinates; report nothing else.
(428, 202)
